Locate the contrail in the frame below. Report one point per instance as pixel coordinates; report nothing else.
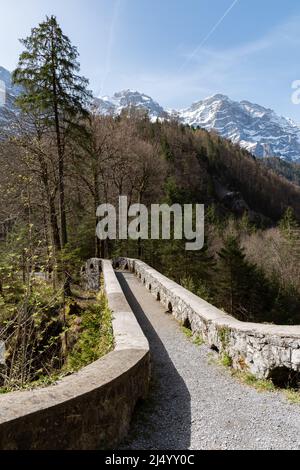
(110, 44)
(213, 29)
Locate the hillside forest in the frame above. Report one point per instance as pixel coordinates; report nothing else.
(60, 160)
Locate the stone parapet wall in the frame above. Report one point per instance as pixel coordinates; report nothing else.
(91, 409)
(265, 350)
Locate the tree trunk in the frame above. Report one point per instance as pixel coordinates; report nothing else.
(53, 223)
(61, 176)
(98, 247)
(60, 153)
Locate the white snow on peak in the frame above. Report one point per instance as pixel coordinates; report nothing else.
(256, 128)
(260, 130)
(130, 99)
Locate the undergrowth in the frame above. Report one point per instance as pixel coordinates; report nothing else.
(96, 336)
(85, 335)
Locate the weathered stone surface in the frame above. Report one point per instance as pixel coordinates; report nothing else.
(125, 325)
(91, 409)
(257, 348)
(90, 274)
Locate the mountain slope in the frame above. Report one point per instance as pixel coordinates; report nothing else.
(260, 130)
(130, 99)
(289, 170)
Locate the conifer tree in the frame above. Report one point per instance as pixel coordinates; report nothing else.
(53, 92)
(289, 225)
(242, 288)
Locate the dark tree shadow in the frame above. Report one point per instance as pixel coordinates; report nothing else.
(163, 421)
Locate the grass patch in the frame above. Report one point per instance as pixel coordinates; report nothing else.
(293, 396)
(198, 340)
(226, 360)
(262, 385)
(187, 332)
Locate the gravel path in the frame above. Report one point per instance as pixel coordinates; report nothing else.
(194, 404)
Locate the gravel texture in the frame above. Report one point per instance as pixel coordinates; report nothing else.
(194, 404)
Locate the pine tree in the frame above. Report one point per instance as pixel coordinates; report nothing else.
(53, 92)
(243, 290)
(166, 149)
(289, 225)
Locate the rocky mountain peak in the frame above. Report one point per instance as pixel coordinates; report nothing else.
(258, 129)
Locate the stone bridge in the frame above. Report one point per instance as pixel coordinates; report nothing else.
(192, 402)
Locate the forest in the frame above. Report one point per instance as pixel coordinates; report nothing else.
(60, 160)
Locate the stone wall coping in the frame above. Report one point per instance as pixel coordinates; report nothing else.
(127, 331)
(212, 313)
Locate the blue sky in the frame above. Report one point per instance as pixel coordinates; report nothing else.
(177, 51)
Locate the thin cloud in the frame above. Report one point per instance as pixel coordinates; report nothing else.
(111, 40)
(214, 73)
(209, 34)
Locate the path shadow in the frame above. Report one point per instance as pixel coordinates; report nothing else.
(163, 421)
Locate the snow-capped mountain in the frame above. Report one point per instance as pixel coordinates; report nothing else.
(130, 99)
(258, 129)
(8, 94)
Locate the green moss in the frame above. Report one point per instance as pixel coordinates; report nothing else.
(226, 360)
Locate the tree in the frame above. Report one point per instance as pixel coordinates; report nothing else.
(53, 91)
(289, 249)
(93, 159)
(289, 225)
(242, 288)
